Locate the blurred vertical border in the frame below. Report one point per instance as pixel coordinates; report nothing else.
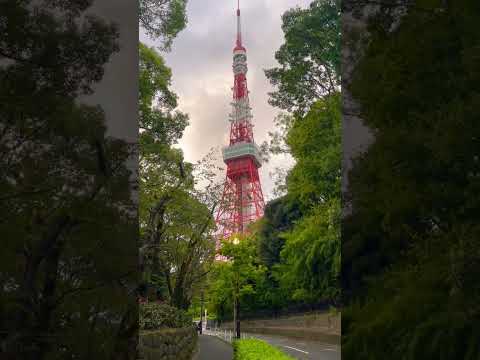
(410, 255)
(68, 177)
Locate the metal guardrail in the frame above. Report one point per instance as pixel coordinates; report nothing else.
(226, 335)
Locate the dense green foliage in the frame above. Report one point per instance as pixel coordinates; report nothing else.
(311, 254)
(160, 125)
(309, 58)
(68, 275)
(163, 19)
(253, 349)
(175, 218)
(410, 251)
(279, 217)
(243, 271)
(155, 315)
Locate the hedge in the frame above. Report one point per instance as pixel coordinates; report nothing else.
(158, 316)
(254, 349)
(167, 344)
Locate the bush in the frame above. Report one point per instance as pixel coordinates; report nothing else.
(156, 316)
(253, 349)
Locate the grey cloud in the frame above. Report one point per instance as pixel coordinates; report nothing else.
(117, 93)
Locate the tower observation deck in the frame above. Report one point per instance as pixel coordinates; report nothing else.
(242, 200)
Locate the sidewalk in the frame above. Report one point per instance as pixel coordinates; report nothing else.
(212, 348)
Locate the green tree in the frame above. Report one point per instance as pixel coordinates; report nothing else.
(159, 123)
(242, 271)
(311, 254)
(310, 70)
(163, 19)
(186, 249)
(175, 218)
(409, 241)
(63, 183)
(279, 217)
(315, 142)
(309, 58)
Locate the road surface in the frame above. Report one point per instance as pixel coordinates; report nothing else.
(302, 349)
(212, 348)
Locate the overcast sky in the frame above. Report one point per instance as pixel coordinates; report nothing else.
(117, 93)
(201, 63)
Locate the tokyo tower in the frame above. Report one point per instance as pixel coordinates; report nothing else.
(242, 199)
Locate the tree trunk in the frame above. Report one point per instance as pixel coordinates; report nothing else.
(127, 335)
(29, 330)
(48, 299)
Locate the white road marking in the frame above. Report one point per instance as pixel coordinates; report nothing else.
(295, 349)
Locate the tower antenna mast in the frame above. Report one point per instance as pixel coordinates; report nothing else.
(239, 28)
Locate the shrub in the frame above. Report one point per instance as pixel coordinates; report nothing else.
(253, 349)
(156, 316)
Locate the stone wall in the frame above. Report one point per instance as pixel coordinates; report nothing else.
(168, 344)
(324, 327)
(321, 321)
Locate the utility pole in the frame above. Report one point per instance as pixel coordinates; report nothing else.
(201, 313)
(236, 308)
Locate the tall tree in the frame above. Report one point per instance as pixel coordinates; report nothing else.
(310, 264)
(242, 277)
(310, 70)
(409, 251)
(309, 58)
(63, 183)
(175, 218)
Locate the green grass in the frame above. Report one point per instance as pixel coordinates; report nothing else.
(253, 349)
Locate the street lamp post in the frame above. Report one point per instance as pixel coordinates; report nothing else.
(201, 314)
(236, 300)
(237, 310)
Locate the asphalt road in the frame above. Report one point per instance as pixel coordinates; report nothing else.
(212, 348)
(302, 349)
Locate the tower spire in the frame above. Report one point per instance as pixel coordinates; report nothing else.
(239, 27)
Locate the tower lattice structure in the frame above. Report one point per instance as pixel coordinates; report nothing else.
(242, 199)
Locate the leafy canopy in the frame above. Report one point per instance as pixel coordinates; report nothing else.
(163, 19)
(63, 183)
(409, 250)
(310, 57)
(175, 218)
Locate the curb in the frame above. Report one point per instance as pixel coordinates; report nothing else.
(333, 339)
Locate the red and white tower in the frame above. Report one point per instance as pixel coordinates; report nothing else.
(242, 200)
